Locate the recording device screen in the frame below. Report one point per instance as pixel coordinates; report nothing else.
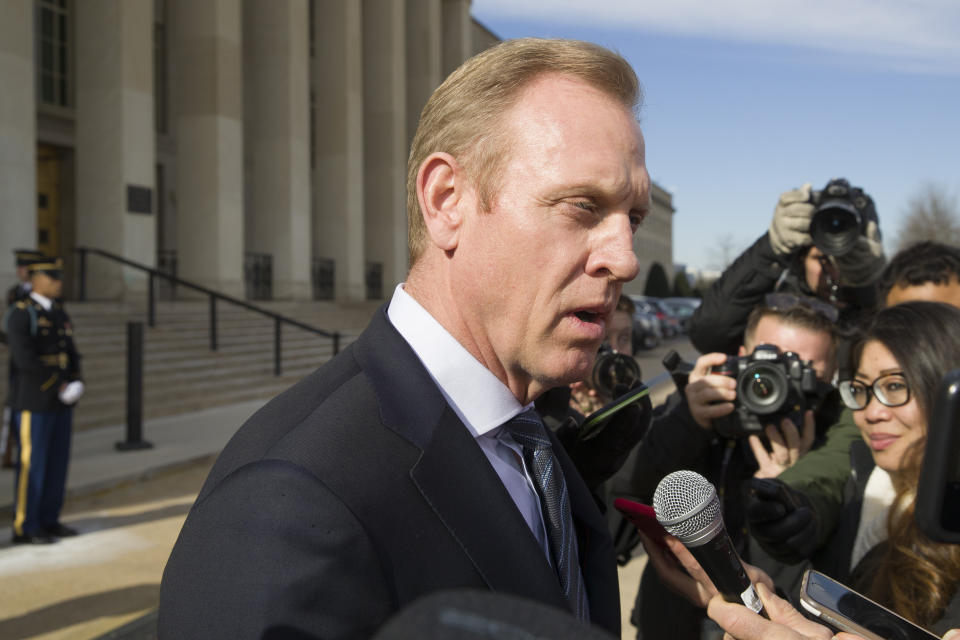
(938, 496)
(847, 610)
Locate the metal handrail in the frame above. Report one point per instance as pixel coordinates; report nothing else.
(278, 319)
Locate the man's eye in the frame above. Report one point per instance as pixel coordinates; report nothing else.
(586, 205)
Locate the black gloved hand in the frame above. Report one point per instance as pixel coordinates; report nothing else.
(782, 520)
(599, 450)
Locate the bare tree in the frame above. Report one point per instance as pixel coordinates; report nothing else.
(932, 214)
(724, 251)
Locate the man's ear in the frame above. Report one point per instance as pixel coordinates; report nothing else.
(440, 191)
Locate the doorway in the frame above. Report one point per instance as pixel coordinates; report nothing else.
(48, 200)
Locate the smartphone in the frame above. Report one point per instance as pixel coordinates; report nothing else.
(847, 610)
(643, 518)
(938, 495)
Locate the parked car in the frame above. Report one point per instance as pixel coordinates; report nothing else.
(693, 303)
(647, 331)
(682, 308)
(670, 324)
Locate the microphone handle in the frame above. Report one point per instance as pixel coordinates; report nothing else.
(722, 564)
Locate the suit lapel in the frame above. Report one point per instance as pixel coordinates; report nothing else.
(453, 475)
(458, 482)
(456, 478)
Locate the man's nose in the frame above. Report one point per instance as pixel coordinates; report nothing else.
(614, 253)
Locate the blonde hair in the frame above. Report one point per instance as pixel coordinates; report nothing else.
(463, 116)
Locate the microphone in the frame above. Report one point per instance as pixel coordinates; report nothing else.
(687, 506)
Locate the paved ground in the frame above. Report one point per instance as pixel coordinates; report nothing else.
(130, 507)
(82, 587)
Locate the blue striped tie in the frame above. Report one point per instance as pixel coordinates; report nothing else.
(528, 431)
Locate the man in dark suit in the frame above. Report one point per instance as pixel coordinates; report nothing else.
(412, 463)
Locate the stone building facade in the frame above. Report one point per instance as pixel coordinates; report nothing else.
(256, 147)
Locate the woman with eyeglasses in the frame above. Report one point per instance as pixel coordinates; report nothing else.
(877, 548)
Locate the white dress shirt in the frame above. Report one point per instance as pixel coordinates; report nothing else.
(478, 398)
(44, 301)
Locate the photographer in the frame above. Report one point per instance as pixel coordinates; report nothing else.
(615, 364)
(878, 549)
(824, 244)
(615, 371)
(686, 436)
(927, 271)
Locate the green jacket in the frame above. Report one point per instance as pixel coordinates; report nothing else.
(822, 473)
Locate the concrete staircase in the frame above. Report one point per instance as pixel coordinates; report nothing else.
(181, 374)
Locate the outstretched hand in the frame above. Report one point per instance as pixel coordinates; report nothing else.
(787, 445)
(785, 623)
(709, 395)
(790, 227)
(679, 570)
(683, 574)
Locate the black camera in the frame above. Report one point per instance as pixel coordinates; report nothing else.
(612, 369)
(840, 217)
(770, 386)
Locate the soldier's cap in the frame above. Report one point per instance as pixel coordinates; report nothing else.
(48, 265)
(26, 257)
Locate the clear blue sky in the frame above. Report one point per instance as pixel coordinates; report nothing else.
(745, 99)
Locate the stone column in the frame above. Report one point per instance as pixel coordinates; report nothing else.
(424, 56)
(385, 138)
(337, 94)
(115, 141)
(277, 140)
(18, 135)
(207, 99)
(457, 34)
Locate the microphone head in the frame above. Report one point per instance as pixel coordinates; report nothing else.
(687, 506)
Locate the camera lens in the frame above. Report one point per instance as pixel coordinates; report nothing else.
(762, 388)
(612, 369)
(835, 227)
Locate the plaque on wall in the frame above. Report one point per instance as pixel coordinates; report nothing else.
(139, 199)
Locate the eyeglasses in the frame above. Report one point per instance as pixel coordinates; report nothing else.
(785, 301)
(891, 390)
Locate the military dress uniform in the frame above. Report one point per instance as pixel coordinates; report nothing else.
(42, 349)
(19, 291)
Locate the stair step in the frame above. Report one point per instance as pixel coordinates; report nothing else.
(180, 372)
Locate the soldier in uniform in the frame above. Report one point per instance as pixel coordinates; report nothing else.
(48, 384)
(24, 258)
(19, 291)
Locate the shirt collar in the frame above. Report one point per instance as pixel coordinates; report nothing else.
(43, 301)
(477, 396)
